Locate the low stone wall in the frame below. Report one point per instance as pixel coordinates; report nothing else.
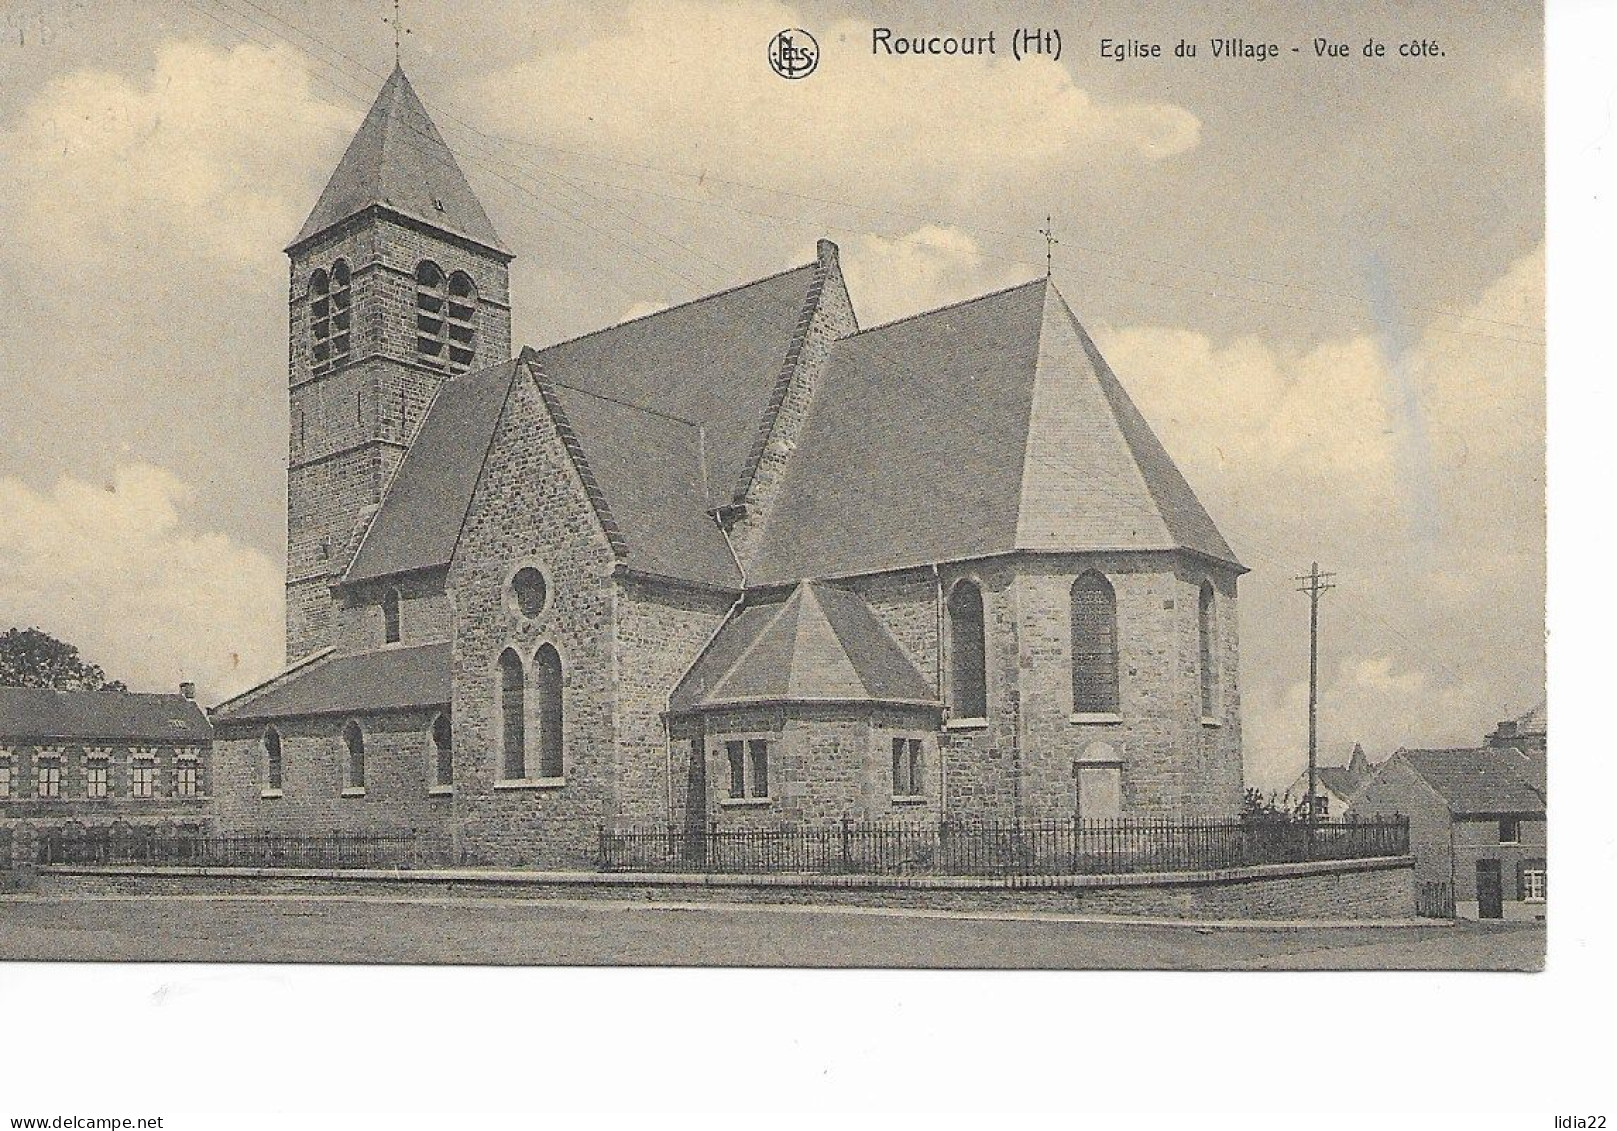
(1337, 889)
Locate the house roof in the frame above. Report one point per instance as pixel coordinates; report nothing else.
(1536, 721)
(981, 428)
(120, 716)
(362, 683)
(1340, 780)
(400, 161)
(1480, 781)
(421, 516)
(821, 644)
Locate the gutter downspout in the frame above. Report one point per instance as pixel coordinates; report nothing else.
(937, 657)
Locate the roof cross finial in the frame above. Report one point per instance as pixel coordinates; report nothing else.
(1050, 241)
(399, 32)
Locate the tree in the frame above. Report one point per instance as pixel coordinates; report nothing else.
(1255, 807)
(31, 658)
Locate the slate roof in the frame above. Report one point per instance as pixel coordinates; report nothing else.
(1477, 782)
(821, 644)
(366, 682)
(399, 160)
(713, 363)
(28, 713)
(426, 504)
(664, 410)
(1536, 721)
(981, 428)
(1340, 780)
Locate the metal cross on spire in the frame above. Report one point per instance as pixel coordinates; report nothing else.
(1050, 241)
(399, 32)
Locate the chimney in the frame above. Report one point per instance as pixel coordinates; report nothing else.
(188, 689)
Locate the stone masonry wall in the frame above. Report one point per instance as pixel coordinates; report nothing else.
(530, 508)
(400, 773)
(349, 427)
(1174, 762)
(661, 629)
(73, 802)
(425, 613)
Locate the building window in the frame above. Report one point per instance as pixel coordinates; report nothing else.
(353, 740)
(330, 316)
(1094, 646)
(48, 777)
(272, 759)
(749, 767)
(547, 686)
(1204, 643)
(461, 322)
(443, 751)
(430, 310)
(1533, 881)
(1510, 830)
(143, 778)
(968, 674)
(907, 767)
(6, 785)
(185, 778)
(529, 591)
(513, 708)
(1322, 807)
(95, 777)
(390, 617)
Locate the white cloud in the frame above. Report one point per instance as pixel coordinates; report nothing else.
(1416, 476)
(927, 130)
(208, 156)
(116, 571)
(930, 267)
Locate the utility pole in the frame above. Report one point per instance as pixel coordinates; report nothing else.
(1313, 583)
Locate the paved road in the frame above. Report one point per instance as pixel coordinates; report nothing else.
(588, 933)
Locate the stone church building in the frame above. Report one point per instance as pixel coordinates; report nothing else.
(740, 562)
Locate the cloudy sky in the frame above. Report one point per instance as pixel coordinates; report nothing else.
(1321, 280)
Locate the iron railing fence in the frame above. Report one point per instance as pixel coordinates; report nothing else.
(147, 845)
(1434, 900)
(995, 848)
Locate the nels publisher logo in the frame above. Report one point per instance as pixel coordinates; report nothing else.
(793, 53)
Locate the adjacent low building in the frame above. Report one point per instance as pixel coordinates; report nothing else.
(1335, 785)
(103, 758)
(1477, 827)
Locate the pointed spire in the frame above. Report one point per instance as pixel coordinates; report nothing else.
(399, 161)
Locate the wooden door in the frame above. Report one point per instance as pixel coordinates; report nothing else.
(1490, 893)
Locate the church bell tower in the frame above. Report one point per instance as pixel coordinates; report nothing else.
(398, 283)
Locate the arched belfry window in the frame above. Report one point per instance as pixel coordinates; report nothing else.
(1094, 646)
(272, 759)
(513, 709)
(547, 688)
(342, 295)
(1205, 657)
(968, 671)
(443, 752)
(461, 321)
(431, 313)
(320, 320)
(354, 766)
(330, 316)
(390, 617)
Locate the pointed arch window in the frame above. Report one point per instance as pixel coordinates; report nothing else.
(513, 724)
(272, 759)
(968, 671)
(1205, 658)
(390, 617)
(1094, 646)
(353, 740)
(443, 752)
(547, 687)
